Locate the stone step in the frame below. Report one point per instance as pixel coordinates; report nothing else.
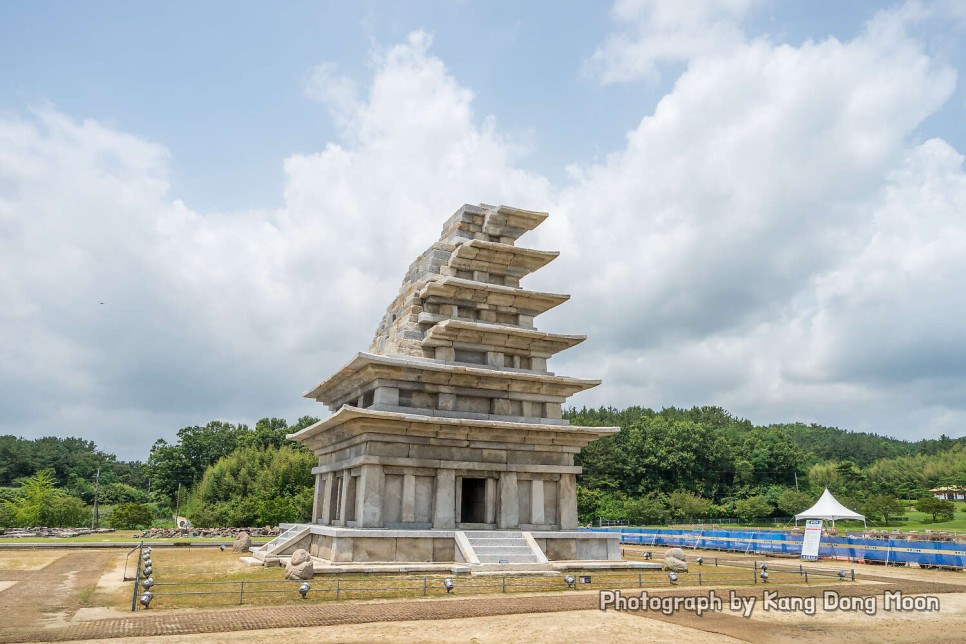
(528, 558)
(495, 550)
(489, 543)
(494, 534)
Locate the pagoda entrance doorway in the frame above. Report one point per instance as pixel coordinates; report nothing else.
(473, 501)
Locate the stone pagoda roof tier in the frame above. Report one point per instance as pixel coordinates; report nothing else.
(350, 421)
(502, 223)
(499, 259)
(455, 289)
(368, 367)
(481, 336)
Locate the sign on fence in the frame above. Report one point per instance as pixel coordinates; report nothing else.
(813, 537)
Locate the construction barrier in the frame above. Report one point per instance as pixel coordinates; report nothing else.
(765, 542)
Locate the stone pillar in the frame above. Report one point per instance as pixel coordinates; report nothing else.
(329, 490)
(343, 496)
(444, 505)
(567, 502)
(446, 402)
(536, 501)
(490, 500)
(318, 499)
(509, 516)
(385, 396)
(372, 485)
(409, 498)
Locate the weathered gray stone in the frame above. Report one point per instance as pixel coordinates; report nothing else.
(674, 560)
(300, 556)
(453, 421)
(243, 543)
(304, 570)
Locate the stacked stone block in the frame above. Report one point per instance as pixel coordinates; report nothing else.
(452, 420)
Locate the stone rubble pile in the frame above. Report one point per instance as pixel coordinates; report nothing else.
(51, 532)
(229, 533)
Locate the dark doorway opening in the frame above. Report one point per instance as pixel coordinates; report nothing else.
(473, 501)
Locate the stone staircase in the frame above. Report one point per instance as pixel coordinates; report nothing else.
(277, 545)
(504, 547)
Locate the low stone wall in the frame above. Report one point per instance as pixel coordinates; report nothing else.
(227, 533)
(54, 533)
(579, 546)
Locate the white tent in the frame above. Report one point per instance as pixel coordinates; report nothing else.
(829, 509)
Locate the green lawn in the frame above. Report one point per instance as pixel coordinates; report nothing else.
(122, 536)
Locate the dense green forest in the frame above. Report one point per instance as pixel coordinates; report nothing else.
(705, 463)
(673, 464)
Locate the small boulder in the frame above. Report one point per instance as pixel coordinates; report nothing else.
(300, 556)
(243, 543)
(674, 560)
(300, 566)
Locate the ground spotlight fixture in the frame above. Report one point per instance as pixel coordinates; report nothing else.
(146, 599)
(842, 574)
(147, 583)
(222, 547)
(303, 589)
(673, 578)
(448, 583)
(148, 571)
(570, 581)
(700, 560)
(764, 576)
(647, 555)
(763, 566)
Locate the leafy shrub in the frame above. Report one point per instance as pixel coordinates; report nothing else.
(66, 512)
(131, 516)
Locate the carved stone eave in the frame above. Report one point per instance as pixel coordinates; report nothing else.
(350, 420)
(368, 367)
(454, 289)
(481, 336)
(499, 259)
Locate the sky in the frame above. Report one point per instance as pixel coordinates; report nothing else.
(205, 208)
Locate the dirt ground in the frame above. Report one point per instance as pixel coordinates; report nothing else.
(73, 595)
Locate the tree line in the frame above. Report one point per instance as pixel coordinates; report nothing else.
(667, 465)
(686, 464)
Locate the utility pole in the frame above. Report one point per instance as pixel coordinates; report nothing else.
(796, 481)
(97, 485)
(177, 508)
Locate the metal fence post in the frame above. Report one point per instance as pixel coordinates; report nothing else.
(241, 592)
(504, 584)
(338, 586)
(137, 579)
(424, 586)
(640, 580)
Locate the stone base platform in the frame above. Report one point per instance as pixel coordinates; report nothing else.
(336, 546)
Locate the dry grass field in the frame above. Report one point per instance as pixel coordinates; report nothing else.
(61, 595)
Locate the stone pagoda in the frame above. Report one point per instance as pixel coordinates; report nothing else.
(446, 441)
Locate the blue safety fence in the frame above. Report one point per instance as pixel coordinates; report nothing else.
(853, 548)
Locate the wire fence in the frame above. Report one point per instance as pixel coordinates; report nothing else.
(712, 572)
